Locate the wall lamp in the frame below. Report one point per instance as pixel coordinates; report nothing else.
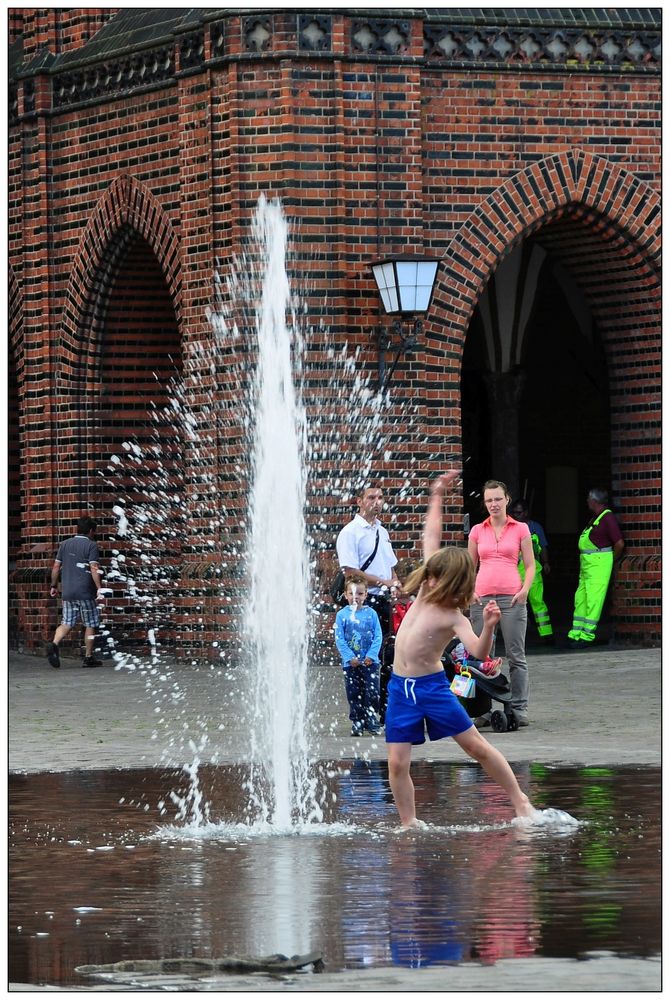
(406, 285)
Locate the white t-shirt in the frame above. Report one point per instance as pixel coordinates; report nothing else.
(355, 544)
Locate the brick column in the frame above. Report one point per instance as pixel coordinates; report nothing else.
(198, 600)
(42, 520)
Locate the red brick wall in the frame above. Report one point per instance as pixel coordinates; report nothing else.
(54, 29)
(370, 154)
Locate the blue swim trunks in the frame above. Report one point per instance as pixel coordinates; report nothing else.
(411, 700)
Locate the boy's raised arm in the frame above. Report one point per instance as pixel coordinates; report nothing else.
(432, 529)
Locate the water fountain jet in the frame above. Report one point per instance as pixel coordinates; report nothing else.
(276, 614)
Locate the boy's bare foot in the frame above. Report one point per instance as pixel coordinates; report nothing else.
(415, 824)
(524, 809)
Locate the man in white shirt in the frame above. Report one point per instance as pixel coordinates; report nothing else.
(365, 537)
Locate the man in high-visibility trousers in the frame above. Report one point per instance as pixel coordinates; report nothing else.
(600, 543)
(519, 511)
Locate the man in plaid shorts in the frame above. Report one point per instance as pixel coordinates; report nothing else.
(77, 563)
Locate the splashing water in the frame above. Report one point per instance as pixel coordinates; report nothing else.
(555, 822)
(192, 807)
(275, 621)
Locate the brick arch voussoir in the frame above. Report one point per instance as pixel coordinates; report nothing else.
(526, 202)
(622, 199)
(15, 319)
(126, 203)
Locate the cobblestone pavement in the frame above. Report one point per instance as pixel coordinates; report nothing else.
(600, 706)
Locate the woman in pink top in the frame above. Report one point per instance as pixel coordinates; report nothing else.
(494, 547)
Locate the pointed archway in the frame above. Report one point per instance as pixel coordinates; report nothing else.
(597, 225)
(535, 405)
(119, 369)
(120, 340)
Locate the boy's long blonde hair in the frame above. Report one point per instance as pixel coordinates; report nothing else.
(454, 573)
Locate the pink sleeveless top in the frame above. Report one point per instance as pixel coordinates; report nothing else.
(498, 573)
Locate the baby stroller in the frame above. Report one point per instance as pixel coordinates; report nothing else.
(487, 689)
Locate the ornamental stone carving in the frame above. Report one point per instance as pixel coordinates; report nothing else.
(379, 36)
(257, 33)
(140, 70)
(314, 33)
(571, 48)
(192, 50)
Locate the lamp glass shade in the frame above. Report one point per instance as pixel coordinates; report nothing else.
(386, 283)
(405, 286)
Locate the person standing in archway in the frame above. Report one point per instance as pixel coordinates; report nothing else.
(600, 543)
(519, 511)
(495, 547)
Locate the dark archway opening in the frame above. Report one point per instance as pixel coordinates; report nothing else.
(535, 408)
(139, 445)
(140, 350)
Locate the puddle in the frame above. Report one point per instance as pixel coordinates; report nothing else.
(99, 873)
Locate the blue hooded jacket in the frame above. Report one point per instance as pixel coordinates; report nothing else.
(357, 634)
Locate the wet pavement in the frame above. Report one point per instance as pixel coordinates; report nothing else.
(600, 707)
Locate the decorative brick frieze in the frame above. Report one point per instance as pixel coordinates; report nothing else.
(130, 74)
(377, 36)
(541, 48)
(446, 42)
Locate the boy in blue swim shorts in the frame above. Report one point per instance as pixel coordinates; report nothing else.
(419, 693)
(428, 699)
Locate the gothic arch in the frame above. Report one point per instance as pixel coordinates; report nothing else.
(623, 211)
(603, 224)
(126, 215)
(126, 205)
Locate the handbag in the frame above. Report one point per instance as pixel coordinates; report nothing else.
(336, 589)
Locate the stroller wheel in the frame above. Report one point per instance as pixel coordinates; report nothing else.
(499, 722)
(512, 722)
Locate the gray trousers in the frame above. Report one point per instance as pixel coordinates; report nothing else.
(513, 621)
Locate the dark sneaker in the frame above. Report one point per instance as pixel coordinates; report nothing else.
(357, 730)
(91, 661)
(483, 721)
(373, 730)
(52, 654)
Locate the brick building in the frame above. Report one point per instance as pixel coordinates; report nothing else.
(520, 147)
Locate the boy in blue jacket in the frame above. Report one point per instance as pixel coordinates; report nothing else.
(358, 637)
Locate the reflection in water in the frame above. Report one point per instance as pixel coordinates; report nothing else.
(92, 883)
(428, 921)
(600, 853)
